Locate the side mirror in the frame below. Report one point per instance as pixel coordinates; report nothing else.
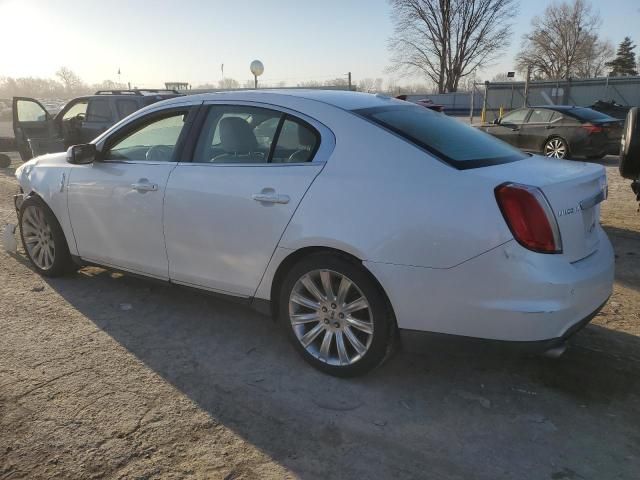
(82, 154)
(496, 121)
(630, 146)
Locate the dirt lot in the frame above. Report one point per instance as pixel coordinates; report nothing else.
(182, 385)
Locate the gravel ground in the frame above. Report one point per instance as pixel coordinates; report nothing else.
(109, 376)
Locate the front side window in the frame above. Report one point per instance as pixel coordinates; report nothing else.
(78, 108)
(459, 145)
(515, 117)
(29, 111)
(244, 134)
(154, 141)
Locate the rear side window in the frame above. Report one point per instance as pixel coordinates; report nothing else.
(540, 115)
(454, 142)
(126, 107)
(245, 134)
(98, 110)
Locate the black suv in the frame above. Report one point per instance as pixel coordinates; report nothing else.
(80, 121)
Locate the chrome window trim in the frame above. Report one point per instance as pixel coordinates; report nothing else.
(134, 117)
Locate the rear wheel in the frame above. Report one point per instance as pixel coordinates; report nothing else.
(556, 147)
(43, 239)
(336, 316)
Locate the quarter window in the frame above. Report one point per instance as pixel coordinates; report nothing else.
(154, 141)
(239, 134)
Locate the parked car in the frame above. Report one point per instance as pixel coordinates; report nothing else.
(79, 121)
(630, 150)
(425, 102)
(349, 216)
(559, 131)
(611, 108)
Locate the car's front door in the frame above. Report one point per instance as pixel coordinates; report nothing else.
(116, 204)
(34, 128)
(509, 127)
(226, 210)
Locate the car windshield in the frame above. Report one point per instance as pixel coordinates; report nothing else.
(459, 145)
(590, 115)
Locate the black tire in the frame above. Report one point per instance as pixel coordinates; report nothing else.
(62, 262)
(384, 327)
(630, 146)
(564, 143)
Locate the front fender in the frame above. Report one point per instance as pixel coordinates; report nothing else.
(47, 176)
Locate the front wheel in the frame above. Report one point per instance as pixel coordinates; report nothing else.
(556, 147)
(43, 239)
(336, 316)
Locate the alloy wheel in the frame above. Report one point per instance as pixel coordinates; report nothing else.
(38, 238)
(331, 317)
(555, 148)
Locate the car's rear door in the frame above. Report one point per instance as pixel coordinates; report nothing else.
(99, 117)
(116, 204)
(536, 129)
(226, 210)
(34, 128)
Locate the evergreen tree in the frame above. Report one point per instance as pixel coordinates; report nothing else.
(625, 61)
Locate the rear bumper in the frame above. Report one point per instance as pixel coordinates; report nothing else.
(416, 339)
(508, 293)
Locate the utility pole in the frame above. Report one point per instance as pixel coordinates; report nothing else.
(473, 91)
(349, 77)
(526, 86)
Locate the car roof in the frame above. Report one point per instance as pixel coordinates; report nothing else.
(344, 99)
(559, 108)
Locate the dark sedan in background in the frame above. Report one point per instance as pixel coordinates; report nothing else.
(560, 131)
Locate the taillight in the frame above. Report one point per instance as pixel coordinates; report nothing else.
(529, 217)
(591, 128)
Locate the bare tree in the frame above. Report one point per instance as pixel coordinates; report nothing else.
(370, 85)
(446, 40)
(70, 80)
(228, 83)
(564, 42)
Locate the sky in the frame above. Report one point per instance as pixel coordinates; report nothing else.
(154, 41)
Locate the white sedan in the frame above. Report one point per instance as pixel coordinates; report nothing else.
(348, 216)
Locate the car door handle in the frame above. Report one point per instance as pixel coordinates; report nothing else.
(549, 127)
(270, 198)
(145, 187)
(515, 129)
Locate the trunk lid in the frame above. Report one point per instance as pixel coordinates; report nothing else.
(574, 191)
(612, 131)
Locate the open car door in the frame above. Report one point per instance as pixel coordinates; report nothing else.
(34, 129)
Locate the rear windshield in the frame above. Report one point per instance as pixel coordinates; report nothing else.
(589, 115)
(451, 140)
